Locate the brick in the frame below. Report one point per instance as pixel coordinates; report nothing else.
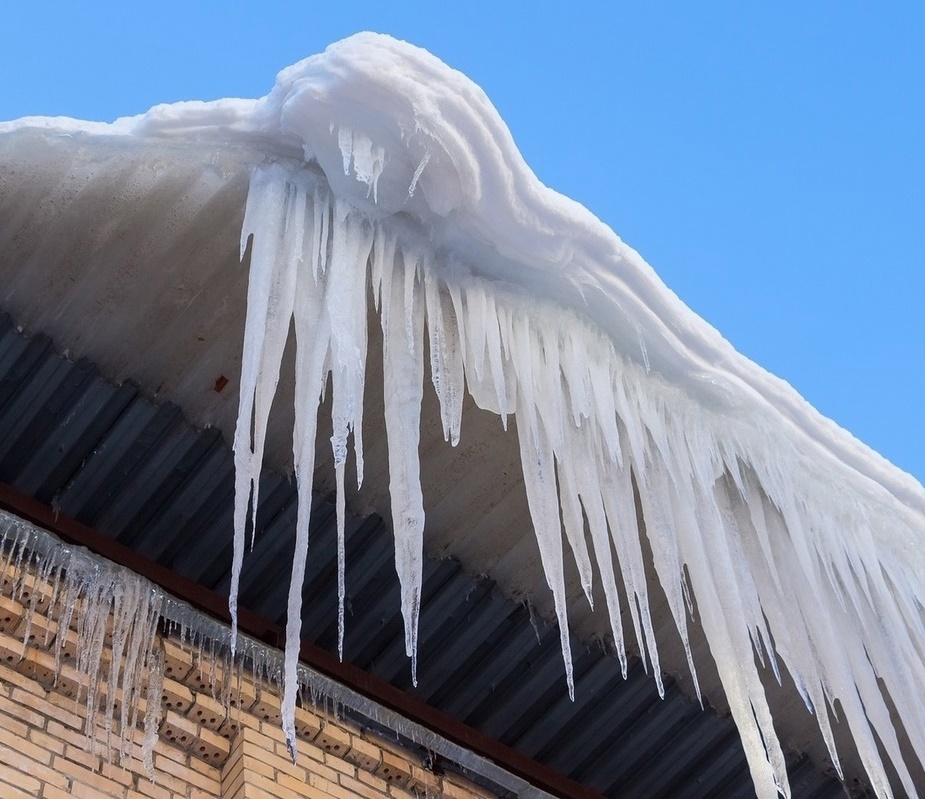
(68, 683)
(373, 781)
(81, 755)
(305, 749)
(14, 740)
(456, 790)
(178, 661)
(179, 731)
(117, 774)
(22, 713)
(67, 735)
(341, 765)
(176, 696)
(358, 788)
(207, 678)
(329, 788)
(35, 629)
(232, 778)
(149, 789)
(230, 726)
(12, 728)
(425, 778)
(283, 765)
(258, 737)
(43, 739)
(14, 792)
(82, 778)
(394, 770)
(14, 678)
(207, 711)
(11, 651)
(272, 730)
(29, 762)
(210, 750)
(234, 788)
(168, 783)
(16, 772)
(334, 740)
(50, 706)
(33, 597)
(69, 648)
(259, 765)
(274, 789)
(83, 791)
(364, 754)
(10, 614)
(307, 724)
(244, 695)
(267, 707)
(185, 774)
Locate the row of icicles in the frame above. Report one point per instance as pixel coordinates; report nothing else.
(104, 626)
(776, 558)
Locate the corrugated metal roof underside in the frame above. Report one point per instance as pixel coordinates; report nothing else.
(139, 473)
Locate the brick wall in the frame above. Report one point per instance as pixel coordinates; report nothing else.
(205, 749)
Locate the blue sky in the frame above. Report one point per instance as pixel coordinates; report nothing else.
(766, 159)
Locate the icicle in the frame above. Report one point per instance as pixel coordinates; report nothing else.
(265, 219)
(403, 374)
(345, 302)
(313, 332)
(155, 671)
(539, 478)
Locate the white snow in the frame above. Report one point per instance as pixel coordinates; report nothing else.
(386, 169)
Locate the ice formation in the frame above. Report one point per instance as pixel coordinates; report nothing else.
(91, 605)
(388, 177)
(106, 606)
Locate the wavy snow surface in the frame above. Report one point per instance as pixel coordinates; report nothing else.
(389, 175)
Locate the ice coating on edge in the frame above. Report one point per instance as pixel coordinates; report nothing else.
(107, 606)
(385, 167)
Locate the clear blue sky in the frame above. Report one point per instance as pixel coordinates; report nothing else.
(768, 159)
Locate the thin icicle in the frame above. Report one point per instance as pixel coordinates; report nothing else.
(540, 481)
(312, 330)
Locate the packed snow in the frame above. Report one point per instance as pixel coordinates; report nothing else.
(389, 177)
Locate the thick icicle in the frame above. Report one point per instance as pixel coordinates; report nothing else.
(270, 219)
(403, 374)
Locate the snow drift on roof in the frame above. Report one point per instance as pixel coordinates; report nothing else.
(387, 174)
